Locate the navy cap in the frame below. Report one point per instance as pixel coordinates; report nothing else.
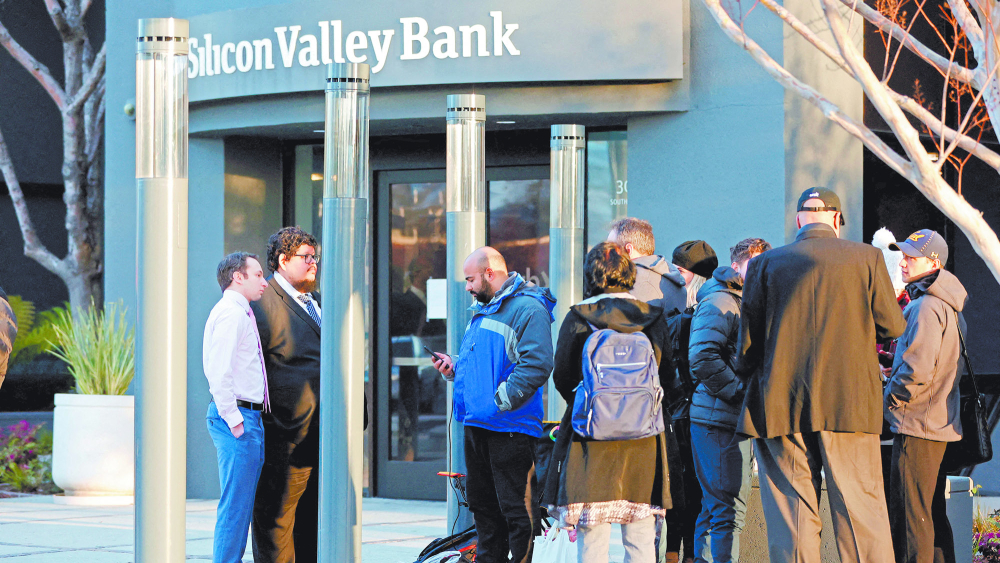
(830, 199)
(925, 242)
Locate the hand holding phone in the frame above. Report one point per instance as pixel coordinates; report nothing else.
(442, 363)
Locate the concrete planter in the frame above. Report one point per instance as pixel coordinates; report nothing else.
(93, 448)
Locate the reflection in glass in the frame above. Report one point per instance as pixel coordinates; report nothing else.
(607, 182)
(519, 226)
(417, 411)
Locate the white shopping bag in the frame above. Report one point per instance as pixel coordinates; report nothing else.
(556, 545)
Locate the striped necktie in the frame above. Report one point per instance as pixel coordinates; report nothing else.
(309, 308)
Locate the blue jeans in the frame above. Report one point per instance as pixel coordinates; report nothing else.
(240, 460)
(722, 463)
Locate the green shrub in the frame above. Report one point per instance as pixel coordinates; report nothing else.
(35, 332)
(98, 347)
(26, 459)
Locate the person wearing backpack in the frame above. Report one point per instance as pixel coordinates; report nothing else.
(593, 482)
(721, 457)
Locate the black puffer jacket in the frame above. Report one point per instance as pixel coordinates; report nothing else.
(718, 397)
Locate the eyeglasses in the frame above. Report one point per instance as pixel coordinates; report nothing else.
(308, 258)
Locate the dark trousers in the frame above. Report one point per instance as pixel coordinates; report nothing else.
(502, 493)
(918, 515)
(680, 521)
(286, 509)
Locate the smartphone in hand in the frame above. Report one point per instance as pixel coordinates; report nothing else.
(432, 353)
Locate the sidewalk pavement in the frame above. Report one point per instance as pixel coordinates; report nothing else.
(36, 530)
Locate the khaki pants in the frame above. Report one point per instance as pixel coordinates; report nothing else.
(790, 481)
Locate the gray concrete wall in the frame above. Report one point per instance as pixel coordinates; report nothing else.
(817, 151)
(206, 241)
(715, 172)
(734, 164)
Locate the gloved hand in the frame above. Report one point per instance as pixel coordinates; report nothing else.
(501, 398)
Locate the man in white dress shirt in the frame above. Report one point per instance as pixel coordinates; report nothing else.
(234, 366)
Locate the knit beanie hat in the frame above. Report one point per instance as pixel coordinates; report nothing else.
(882, 239)
(696, 256)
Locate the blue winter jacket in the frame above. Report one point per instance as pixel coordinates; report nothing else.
(509, 339)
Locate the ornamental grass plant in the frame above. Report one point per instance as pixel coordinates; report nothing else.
(98, 347)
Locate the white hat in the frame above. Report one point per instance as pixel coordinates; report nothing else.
(882, 239)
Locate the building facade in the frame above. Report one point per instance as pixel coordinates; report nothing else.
(684, 130)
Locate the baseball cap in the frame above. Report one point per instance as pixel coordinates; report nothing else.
(925, 242)
(830, 199)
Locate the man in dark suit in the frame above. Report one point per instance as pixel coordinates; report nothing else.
(812, 312)
(285, 512)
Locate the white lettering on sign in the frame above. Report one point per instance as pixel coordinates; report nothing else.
(444, 48)
(334, 45)
(414, 31)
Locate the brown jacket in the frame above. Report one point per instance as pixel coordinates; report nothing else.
(596, 471)
(812, 311)
(8, 331)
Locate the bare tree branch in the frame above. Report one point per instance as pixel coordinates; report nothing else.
(33, 247)
(965, 142)
(983, 39)
(85, 7)
(907, 135)
(932, 58)
(97, 125)
(829, 109)
(973, 32)
(37, 69)
(59, 18)
(926, 174)
(911, 106)
(965, 120)
(90, 81)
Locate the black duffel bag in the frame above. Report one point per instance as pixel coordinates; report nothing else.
(975, 447)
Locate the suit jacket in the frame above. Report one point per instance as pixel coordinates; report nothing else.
(290, 340)
(812, 311)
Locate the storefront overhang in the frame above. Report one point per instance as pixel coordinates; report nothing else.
(417, 110)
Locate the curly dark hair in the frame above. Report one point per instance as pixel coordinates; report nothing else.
(748, 247)
(607, 267)
(286, 241)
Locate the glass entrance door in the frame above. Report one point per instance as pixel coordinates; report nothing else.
(412, 422)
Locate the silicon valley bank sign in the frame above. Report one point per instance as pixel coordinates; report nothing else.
(286, 48)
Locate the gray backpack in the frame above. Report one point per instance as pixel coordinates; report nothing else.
(620, 397)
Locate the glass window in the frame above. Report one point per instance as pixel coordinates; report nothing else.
(519, 226)
(417, 393)
(252, 194)
(607, 182)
